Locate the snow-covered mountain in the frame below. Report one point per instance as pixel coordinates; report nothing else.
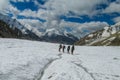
(14, 24)
(54, 35)
(109, 36)
(7, 32)
(30, 32)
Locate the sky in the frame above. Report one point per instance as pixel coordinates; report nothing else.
(72, 15)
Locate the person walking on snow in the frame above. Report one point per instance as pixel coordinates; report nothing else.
(72, 49)
(63, 48)
(60, 47)
(68, 49)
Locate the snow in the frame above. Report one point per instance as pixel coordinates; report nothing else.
(33, 29)
(97, 40)
(23, 60)
(105, 33)
(117, 24)
(66, 69)
(91, 35)
(113, 29)
(32, 60)
(52, 31)
(112, 38)
(101, 62)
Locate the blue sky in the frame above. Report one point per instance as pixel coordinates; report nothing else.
(25, 5)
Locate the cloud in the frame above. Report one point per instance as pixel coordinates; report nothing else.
(92, 26)
(113, 7)
(32, 22)
(117, 19)
(89, 27)
(3, 4)
(13, 10)
(56, 8)
(41, 13)
(20, 0)
(28, 13)
(78, 29)
(79, 7)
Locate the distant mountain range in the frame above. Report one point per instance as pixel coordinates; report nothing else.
(15, 29)
(109, 36)
(11, 28)
(53, 35)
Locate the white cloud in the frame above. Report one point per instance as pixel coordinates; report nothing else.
(113, 7)
(89, 27)
(78, 29)
(117, 19)
(56, 8)
(41, 13)
(28, 13)
(20, 0)
(92, 26)
(84, 26)
(13, 10)
(80, 7)
(32, 22)
(3, 4)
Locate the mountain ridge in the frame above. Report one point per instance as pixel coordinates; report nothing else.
(50, 35)
(109, 36)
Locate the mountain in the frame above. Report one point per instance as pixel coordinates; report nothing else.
(32, 33)
(7, 32)
(14, 24)
(109, 36)
(14, 27)
(55, 36)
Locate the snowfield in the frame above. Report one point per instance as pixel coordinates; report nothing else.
(32, 60)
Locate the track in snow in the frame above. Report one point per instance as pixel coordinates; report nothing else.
(40, 75)
(85, 69)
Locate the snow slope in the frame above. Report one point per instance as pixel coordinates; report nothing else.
(23, 60)
(31, 60)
